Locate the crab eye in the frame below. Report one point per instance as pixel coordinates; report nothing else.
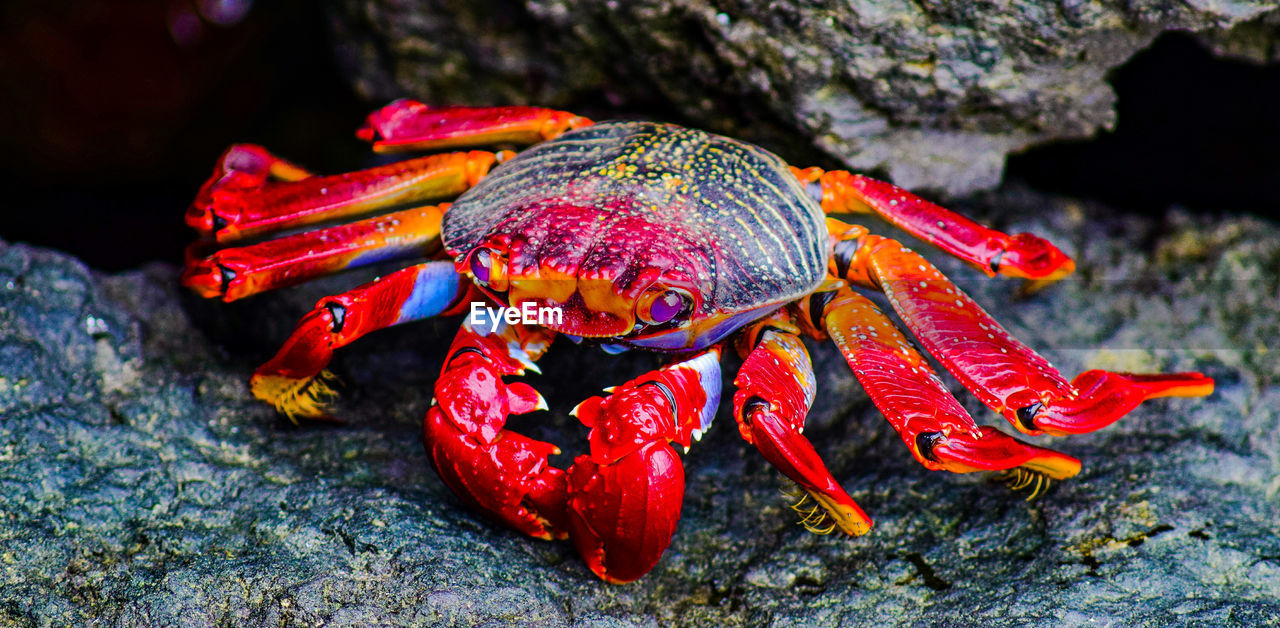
(480, 264)
(488, 269)
(663, 306)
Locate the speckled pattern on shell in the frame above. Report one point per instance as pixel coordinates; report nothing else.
(616, 198)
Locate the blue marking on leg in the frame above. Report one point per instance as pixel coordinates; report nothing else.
(434, 289)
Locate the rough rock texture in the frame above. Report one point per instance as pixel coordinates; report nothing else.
(931, 94)
(140, 485)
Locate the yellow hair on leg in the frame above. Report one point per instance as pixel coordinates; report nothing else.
(305, 398)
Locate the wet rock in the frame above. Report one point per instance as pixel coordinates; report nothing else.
(933, 95)
(141, 485)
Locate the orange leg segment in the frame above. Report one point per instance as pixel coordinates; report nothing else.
(254, 193)
(1003, 373)
(993, 252)
(238, 272)
(406, 125)
(934, 426)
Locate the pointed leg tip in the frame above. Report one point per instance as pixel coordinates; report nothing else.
(1190, 384)
(1104, 397)
(997, 451)
(206, 278)
(842, 513)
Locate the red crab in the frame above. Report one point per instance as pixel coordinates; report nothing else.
(647, 236)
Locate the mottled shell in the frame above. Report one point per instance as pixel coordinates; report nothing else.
(642, 190)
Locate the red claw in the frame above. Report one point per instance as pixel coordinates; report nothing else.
(495, 470)
(622, 514)
(625, 496)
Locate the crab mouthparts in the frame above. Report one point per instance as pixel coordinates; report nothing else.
(589, 308)
(574, 317)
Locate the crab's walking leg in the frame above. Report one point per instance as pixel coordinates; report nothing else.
(493, 469)
(1003, 373)
(934, 426)
(1019, 255)
(775, 389)
(410, 125)
(625, 494)
(253, 192)
(238, 272)
(295, 380)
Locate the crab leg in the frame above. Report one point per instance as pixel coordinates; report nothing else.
(934, 426)
(993, 252)
(775, 390)
(495, 470)
(295, 380)
(238, 272)
(1003, 373)
(625, 494)
(410, 125)
(253, 192)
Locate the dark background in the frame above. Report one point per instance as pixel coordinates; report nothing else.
(114, 113)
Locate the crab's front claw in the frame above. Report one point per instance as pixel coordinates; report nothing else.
(1103, 397)
(497, 471)
(502, 473)
(625, 496)
(508, 478)
(961, 452)
(622, 513)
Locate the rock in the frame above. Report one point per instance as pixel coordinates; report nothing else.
(141, 485)
(931, 94)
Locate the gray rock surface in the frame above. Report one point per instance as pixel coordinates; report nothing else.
(141, 485)
(931, 94)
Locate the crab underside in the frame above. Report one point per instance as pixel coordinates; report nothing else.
(641, 236)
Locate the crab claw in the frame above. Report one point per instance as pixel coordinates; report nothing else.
(502, 473)
(1104, 397)
(625, 496)
(623, 513)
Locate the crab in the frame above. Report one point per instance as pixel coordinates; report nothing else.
(648, 236)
